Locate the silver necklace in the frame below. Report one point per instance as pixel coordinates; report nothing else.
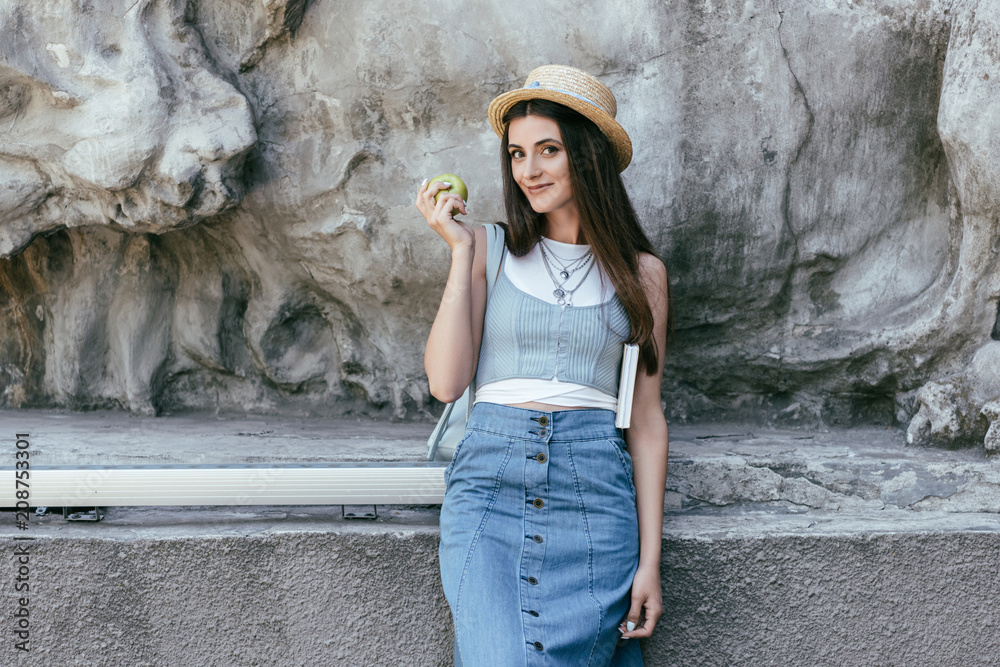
(566, 268)
(555, 255)
(564, 295)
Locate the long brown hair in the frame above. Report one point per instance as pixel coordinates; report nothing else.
(607, 219)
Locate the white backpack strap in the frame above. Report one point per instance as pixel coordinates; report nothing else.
(494, 256)
(495, 247)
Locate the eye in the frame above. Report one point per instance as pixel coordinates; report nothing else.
(516, 154)
(549, 150)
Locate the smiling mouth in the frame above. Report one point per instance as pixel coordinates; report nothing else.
(535, 189)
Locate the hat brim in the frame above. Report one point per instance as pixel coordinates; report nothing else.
(620, 142)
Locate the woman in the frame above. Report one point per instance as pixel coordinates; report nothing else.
(550, 544)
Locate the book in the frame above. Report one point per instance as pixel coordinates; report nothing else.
(626, 385)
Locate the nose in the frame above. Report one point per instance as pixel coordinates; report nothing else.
(532, 167)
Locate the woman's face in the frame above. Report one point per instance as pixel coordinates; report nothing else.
(539, 163)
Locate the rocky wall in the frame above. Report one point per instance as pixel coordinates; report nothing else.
(208, 204)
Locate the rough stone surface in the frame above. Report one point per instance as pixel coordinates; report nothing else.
(859, 471)
(114, 113)
(991, 412)
(961, 412)
(821, 178)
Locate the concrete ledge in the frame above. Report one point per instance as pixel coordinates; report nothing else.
(759, 565)
(815, 589)
(232, 586)
(273, 586)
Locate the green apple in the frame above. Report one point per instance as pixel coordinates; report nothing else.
(457, 186)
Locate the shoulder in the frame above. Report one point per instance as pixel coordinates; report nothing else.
(479, 258)
(480, 233)
(652, 272)
(485, 235)
(490, 230)
(654, 281)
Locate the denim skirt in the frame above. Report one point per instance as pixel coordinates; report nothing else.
(539, 539)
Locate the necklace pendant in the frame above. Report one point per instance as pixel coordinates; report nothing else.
(559, 293)
(564, 274)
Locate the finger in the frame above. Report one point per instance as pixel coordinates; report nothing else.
(434, 188)
(420, 193)
(641, 631)
(439, 189)
(634, 613)
(650, 621)
(440, 205)
(646, 624)
(429, 194)
(631, 626)
(447, 203)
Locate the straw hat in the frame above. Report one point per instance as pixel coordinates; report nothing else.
(576, 89)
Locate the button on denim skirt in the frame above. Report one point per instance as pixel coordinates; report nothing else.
(539, 539)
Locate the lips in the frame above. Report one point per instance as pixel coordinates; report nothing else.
(535, 189)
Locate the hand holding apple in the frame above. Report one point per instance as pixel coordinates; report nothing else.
(455, 184)
(439, 201)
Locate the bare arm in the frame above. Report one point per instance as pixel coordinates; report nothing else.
(452, 349)
(648, 444)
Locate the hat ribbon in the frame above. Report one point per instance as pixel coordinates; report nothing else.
(538, 84)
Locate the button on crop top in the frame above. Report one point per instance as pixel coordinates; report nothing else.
(527, 337)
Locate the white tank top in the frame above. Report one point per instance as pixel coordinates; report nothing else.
(528, 274)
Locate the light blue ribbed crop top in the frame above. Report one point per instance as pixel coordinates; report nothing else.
(525, 337)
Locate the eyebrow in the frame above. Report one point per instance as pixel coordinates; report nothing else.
(537, 143)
